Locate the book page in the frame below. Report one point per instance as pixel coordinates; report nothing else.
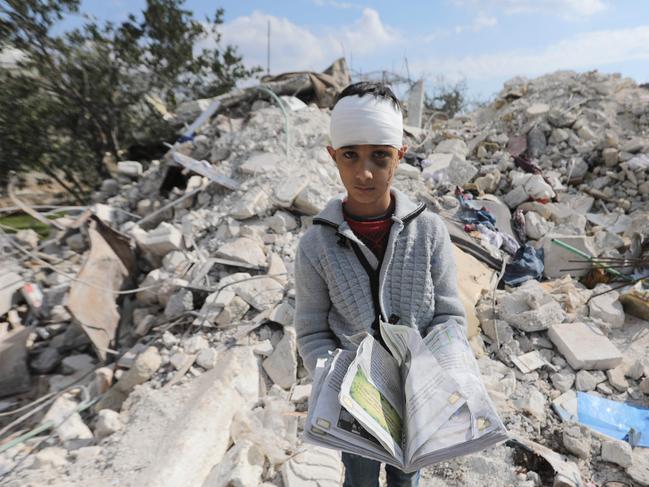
(449, 345)
(371, 392)
(432, 396)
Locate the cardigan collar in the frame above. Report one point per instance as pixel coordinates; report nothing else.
(404, 209)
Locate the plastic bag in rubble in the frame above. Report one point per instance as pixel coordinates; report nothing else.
(270, 429)
(615, 419)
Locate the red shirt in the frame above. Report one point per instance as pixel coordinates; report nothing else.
(373, 232)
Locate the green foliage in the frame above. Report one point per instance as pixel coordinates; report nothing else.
(82, 94)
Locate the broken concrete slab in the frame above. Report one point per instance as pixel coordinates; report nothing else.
(456, 147)
(232, 312)
(161, 240)
(606, 307)
(245, 250)
(242, 465)
(584, 346)
(146, 364)
(261, 293)
(558, 259)
(290, 188)
(616, 378)
(262, 163)
(253, 203)
(529, 308)
(577, 440)
(585, 381)
(301, 393)
(282, 314)
(618, 452)
(281, 366)
(313, 467)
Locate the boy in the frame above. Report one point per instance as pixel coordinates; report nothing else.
(372, 254)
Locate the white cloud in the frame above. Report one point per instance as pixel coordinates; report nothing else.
(479, 23)
(336, 4)
(593, 50)
(567, 9)
(294, 47)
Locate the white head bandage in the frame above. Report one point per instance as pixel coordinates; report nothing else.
(357, 120)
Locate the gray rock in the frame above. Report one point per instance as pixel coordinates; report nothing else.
(585, 381)
(72, 428)
(533, 403)
(50, 457)
(108, 422)
(179, 303)
(618, 452)
(563, 380)
(281, 366)
(194, 344)
(637, 369)
(46, 361)
(453, 146)
(536, 143)
(80, 363)
(644, 386)
(616, 378)
(207, 358)
(577, 441)
(232, 312)
(607, 307)
(610, 156)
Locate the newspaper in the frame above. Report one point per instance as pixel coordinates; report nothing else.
(419, 403)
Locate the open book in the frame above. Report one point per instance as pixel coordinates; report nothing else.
(418, 404)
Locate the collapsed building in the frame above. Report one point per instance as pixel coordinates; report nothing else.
(149, 340)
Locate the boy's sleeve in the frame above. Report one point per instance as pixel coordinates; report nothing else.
(312, 304)
(448, 305)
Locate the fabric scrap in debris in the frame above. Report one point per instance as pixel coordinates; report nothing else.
(526, 264)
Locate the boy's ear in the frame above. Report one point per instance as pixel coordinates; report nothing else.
(332, 152)
(402, 151)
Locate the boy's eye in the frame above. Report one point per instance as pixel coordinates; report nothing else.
(350, 154)
(381, 154)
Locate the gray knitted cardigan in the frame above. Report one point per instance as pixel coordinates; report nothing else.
(342, 289)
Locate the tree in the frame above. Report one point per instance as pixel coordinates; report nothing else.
(448, 98)
(82, 94)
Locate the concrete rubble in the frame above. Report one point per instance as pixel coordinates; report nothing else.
(205, 360)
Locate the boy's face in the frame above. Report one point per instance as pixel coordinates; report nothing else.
(367, 171)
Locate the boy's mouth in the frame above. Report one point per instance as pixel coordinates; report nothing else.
(363, 189)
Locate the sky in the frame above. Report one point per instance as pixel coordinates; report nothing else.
(484, 42)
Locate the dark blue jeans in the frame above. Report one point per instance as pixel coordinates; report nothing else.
(363, 472)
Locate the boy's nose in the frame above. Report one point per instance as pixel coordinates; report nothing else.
(365, 172)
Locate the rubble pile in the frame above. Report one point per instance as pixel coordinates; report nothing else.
(150, 341)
